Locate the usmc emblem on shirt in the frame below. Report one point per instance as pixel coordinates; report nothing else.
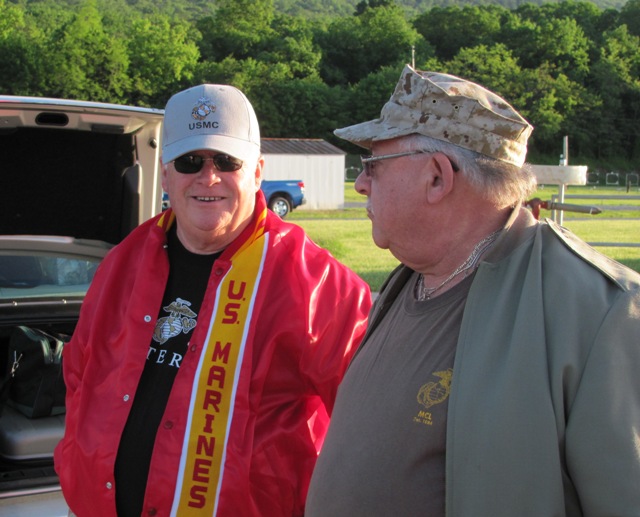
(203, 108)
(181, 319)
(433, 393)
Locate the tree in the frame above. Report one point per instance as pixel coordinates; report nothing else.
(630, 16)
(371, 4)
(236, 30)
(354, 47)
(616, 78)
(550, 101)
(298, 108)
(449, 29)
(163, 59)
(590, 18)
(22, 53)
(559, 42)
(91, 63)
(291, 43)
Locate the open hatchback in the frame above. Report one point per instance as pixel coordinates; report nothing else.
(76, 177)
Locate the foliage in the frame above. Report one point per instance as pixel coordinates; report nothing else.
(21, 52)
(157, 75)
(90, 60)
(356, 46)
(451, 29)
(570, 67)
(630, 13)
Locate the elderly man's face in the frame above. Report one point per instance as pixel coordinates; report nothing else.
(212, 207)
(393, 195)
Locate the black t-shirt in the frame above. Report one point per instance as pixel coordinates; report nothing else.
(187, 283)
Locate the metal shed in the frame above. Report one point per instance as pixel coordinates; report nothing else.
(316, 162)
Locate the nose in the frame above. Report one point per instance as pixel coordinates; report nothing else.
(209, 174)
(362, 183)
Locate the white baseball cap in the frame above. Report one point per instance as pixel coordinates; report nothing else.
(214, 117)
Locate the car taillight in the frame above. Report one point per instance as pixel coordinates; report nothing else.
(301, 185)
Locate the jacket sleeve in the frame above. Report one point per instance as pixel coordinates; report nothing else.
(603, 427)
(337, 317)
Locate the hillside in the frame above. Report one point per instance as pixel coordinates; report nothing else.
(316, 8)
(192, 9)
(571, 68)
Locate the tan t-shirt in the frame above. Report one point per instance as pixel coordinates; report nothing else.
(384, 454)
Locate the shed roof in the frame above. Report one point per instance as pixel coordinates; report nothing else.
(298, 146)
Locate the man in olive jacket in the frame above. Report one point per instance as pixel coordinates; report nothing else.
(499, 372)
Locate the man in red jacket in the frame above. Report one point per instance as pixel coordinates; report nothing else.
(211, 343)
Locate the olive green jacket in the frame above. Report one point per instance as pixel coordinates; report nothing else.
(544, 409)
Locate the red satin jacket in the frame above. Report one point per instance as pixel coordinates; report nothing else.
(309, 315)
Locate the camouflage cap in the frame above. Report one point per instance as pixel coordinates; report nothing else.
(451, 109)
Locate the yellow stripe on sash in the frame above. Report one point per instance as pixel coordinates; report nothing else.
(211, 411)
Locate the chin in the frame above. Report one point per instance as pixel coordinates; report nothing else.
(380, 241)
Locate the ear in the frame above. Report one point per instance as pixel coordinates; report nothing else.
(164, 176)
(258, 173)
(441, 177)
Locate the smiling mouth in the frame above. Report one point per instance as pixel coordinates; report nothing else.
(207, 199)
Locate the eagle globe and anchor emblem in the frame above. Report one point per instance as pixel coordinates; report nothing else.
(433, 393)
(203, 108)
(181, 319)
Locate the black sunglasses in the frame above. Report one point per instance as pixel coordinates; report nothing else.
(192, 163)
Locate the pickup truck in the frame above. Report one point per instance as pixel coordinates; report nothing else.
(282, 195)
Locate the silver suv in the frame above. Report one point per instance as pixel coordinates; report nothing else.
(76, 178)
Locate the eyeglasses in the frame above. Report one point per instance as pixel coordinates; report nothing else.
(192, 163)
(368, 161)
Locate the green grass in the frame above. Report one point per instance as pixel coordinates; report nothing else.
(618, 230)
(347, 213)
(347, 233)
(350, 242)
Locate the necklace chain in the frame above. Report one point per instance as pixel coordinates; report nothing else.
(425, 293)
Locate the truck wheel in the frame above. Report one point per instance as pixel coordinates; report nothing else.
(280, 205)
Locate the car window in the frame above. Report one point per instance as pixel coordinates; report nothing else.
(41, 275)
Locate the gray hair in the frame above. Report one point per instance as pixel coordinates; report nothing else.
(500, 183)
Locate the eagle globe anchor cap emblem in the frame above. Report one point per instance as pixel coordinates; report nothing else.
(203, 108)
